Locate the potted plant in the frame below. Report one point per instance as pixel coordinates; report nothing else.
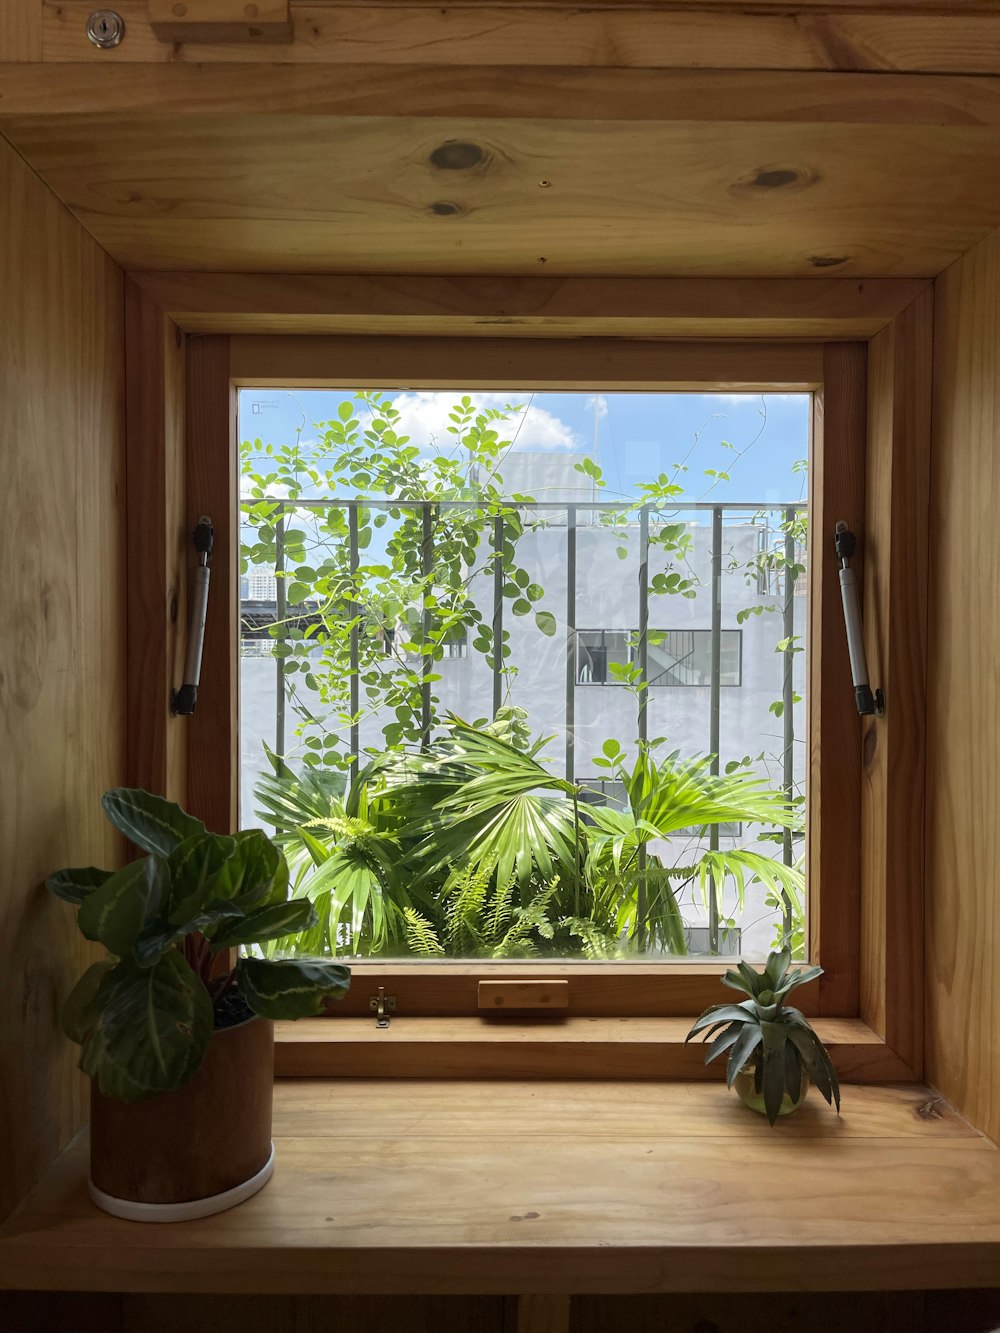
(773, 1052)
(177, 1037)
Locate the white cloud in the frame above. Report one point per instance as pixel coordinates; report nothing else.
(597, 402)
(424, 417)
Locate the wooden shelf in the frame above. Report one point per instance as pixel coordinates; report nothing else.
(575, 1047)
(433, 1187)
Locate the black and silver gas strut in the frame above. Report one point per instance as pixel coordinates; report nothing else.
(868, 701)
(185, 699)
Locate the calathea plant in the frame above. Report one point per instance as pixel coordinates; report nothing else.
(145, 1016)
(768, 1039)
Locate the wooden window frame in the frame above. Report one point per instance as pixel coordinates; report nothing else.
(862, 349)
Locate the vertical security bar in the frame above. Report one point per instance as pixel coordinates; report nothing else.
(280, 612)
(570, 643)
(354, 641)
(788, 700)
(427, 565)
(643, 647)
(715, 710)
(498, 532)
(642, 902)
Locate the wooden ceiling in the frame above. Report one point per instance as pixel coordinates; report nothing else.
(287, 160)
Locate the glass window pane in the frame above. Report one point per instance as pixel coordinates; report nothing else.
(445, 589)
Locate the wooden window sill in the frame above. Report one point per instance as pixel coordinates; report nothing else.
(512, 1187)
(548, 1048)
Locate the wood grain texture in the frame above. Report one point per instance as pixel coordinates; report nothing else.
(542, 1314)
(963, 721)
(834, 864)
(263, 21)
(893, 747)
(62, 651)
(574, 1048)
(511, 34)
(523, 363)
(21, 26)
(354, 186)
(537, 1202)
(596, 990)
(840, 308)
(213, 729)
(159, 545)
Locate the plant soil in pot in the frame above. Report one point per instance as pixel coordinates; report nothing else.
(176, 1036)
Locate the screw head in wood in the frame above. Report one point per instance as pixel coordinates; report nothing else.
(105, 28)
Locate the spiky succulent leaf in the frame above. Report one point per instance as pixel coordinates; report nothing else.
(151, 823)
(151, 1031)
(118, 911)
(726, 1038)
(290, 987)
(73, 886)
(750, 1038)
(776, 967)
(722, 1013)
(816, 1060)
(773, 1065)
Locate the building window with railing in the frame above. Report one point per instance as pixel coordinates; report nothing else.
(674, 657)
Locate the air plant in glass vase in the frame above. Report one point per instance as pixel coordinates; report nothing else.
(773, 1051)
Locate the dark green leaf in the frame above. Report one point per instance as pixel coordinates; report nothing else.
(267, 923)
(290, 987)
(117, 911)
(80, 1011)
(150, 822)
(152, 1030)
(73, 886)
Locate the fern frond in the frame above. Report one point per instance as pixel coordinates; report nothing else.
(421, 935)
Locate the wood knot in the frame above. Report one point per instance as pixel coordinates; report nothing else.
(776, 178)
(827, 261)
(443, 208)
(933, 1109)
(454, 155)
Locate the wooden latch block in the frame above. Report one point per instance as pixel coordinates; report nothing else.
(221, 20)
(496, 995)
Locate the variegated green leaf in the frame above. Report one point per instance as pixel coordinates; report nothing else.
(194, 865)
(73, 886)
(117, 912)
(80, 1012)
(150, 822)
(152, 1029)
(290, 987)
(266, 923)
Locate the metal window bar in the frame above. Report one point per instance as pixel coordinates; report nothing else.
(715, 709)
(280, 615)
(426, 508)
(571, 648)
(788, 700)
(427, 566)
(354, 644)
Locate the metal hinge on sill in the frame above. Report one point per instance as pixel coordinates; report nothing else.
(382, 1006)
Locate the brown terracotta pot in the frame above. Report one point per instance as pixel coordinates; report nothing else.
(191, 1152)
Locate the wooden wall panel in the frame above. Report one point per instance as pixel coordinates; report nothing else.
(160, 548)
(963, 720)
(895, 609)
(211, 487)
(62, 650)
(21, 30)
(493, 33)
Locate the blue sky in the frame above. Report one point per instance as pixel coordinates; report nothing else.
(638, 435)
